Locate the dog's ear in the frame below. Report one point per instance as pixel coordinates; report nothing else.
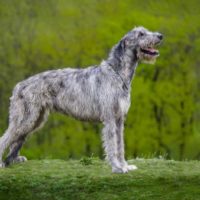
(121, 48)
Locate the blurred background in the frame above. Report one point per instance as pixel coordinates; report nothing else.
(164, 116)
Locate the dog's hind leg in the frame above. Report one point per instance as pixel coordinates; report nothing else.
(40, 119)
(19, 127)
(13, 155)
(5, 141)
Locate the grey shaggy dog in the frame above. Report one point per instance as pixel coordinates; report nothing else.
(97, 93)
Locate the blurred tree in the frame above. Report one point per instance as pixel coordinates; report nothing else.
(164, 116)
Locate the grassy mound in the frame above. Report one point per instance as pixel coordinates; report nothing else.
(90, 179)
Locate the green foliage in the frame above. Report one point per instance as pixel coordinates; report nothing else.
(89, 160)
(86, 161)
(163, 119)
(58, 179)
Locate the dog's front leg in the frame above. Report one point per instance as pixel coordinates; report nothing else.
(120, 145)
(110, 146)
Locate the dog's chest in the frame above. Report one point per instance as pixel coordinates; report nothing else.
(124, 104)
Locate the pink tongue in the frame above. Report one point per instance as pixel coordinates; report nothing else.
(151, 50)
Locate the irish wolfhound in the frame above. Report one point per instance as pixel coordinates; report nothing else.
(97, 93)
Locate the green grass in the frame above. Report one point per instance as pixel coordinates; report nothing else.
(88, 180)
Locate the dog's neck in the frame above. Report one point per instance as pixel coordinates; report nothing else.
(123, 63)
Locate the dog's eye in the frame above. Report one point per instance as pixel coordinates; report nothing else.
(141, 34)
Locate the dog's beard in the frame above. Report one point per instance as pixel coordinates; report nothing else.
(147, 58)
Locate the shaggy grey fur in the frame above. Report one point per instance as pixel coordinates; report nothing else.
(98, 93)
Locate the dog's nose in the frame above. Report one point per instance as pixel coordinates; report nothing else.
(160, 36)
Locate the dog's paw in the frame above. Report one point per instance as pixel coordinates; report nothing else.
(20, 159)
(119, 170)
(131, 167)
(2, 165)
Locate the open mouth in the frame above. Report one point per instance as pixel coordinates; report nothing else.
(150, 51)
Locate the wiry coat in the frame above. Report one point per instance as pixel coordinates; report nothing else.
(98, 93)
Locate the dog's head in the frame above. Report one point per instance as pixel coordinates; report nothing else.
(143, 43)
